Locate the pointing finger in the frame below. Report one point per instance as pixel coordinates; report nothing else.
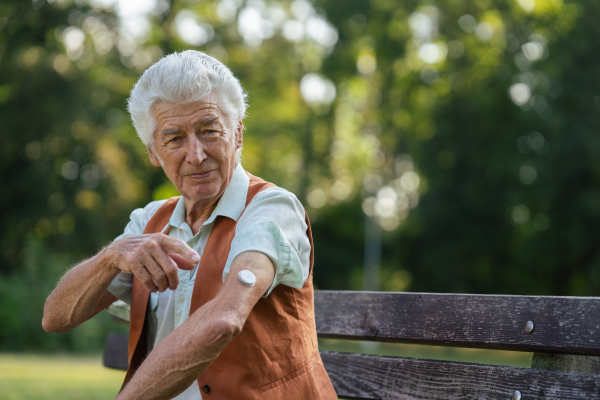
(181, 262)
(179, 247)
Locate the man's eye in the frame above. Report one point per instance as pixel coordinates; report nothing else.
(175, 139)
(210, 134)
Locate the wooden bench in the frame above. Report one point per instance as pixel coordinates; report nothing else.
(563, 333)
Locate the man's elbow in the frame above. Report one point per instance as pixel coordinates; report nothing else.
(52, 324)
(223, 329)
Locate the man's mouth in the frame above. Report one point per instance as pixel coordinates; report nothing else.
(200, 175)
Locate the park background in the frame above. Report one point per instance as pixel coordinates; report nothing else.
(438, 146)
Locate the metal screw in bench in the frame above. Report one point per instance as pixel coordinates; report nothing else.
(516, 395)
(529, 327)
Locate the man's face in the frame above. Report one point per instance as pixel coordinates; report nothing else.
(195, 146)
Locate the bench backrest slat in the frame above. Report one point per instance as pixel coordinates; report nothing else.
(569, 325)
(360, 376)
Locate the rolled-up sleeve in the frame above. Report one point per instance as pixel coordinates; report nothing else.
(274, 223)
(120, 287)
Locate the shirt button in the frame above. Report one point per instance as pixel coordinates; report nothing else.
(206, 388)
(181, 298)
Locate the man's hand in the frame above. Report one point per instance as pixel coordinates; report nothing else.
(153, 259)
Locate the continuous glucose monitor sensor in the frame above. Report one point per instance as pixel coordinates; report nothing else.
(247, 277)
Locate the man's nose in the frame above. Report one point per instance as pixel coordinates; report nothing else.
(195, 152)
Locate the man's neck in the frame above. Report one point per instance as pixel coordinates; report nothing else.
(197, 214)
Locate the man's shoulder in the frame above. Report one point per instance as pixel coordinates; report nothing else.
(277, 194)
(138, 219)
(153, 206)
(144, 214)
(276, 191)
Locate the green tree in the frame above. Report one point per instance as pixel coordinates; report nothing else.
(71, 169)
(466, 131)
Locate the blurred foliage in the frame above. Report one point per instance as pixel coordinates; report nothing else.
(468, 130)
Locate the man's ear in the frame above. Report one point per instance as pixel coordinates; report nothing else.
(153, 158)
(239, 135)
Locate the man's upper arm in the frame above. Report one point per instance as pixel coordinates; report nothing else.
(237, 298)
(274, 223)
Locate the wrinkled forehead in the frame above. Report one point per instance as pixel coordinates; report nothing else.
(168, 112)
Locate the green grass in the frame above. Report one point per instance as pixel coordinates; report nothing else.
(57, 376)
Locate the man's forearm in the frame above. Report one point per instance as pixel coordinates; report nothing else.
(78, 293)
(183, 355)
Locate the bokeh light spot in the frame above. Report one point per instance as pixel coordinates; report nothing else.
(467, 23)
(366, 63)
(520, 214)
(317, 90)
(533, 50)
(429, 74)
(484, 31)
(527, 174)
(520, 93)
(316, 198)
(432, 53)
(70, 170)
(526, 5)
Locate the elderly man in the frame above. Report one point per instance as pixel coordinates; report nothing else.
(219, 279)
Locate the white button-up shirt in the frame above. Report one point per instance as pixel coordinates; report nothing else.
(273, 223)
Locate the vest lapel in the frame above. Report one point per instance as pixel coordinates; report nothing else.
(212, 263)
(137, 346)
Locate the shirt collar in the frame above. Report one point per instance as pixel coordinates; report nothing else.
(231, 204)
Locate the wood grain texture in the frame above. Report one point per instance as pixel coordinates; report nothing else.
(360, 376)
(569, 325)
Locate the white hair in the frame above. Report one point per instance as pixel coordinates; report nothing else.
(184, 78)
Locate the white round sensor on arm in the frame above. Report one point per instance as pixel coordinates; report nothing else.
(247, 277)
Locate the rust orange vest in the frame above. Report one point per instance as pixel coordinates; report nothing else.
(276, 355)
